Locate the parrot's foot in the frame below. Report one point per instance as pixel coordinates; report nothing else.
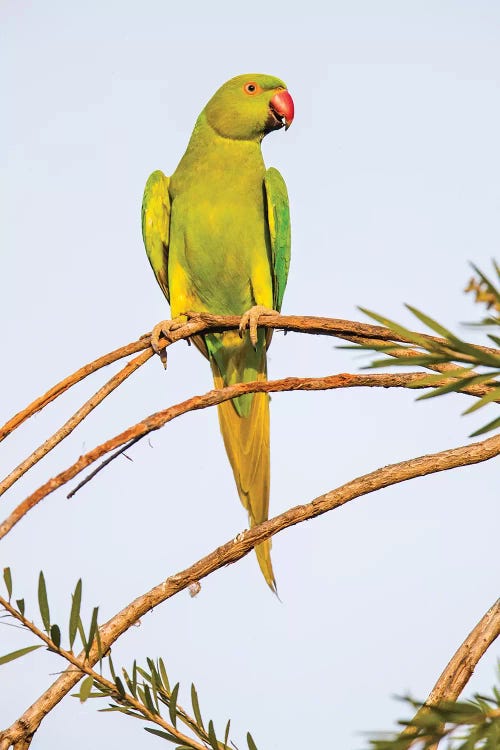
(240, 536)
(250, 320)
(164, 329)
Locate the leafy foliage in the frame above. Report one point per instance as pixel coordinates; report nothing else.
(148, 687)
(463, 725)
(470, 364)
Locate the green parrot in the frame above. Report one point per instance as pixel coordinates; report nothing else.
(217, 235)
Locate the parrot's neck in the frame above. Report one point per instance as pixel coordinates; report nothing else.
(212, 154)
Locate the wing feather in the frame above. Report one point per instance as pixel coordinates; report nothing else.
(278, 218)
(156, 226)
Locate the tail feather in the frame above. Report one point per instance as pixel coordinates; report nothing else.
(246, 439)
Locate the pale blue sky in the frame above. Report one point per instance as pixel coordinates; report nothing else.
(393, 167)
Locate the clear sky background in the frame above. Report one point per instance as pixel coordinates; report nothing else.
(392, 166)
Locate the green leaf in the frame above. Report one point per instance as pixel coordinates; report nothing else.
(85, 688)
(405, 333)
(55, 635)
(43, 602)
(81, 633)
(17, 654)
(250, 742)
(172, 708)
(149, 701)
(226, 733)
(431, 323)
(111, 667)
(164, 735)
(212, 737)
(491, 396)
(7, 577)
(119, 687)
(92, 631)
(456, 385)
(487, 428)
(196, 707)
(20, 606)
(75, 613)
(164, 676)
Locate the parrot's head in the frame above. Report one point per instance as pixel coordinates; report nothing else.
(250, 106)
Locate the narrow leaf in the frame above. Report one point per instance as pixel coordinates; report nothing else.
(7, 577)
(75, 613)
(55, 635)
(172, 708)
(196, 707)
(164, 676)
(17, 654)
(164, 735)
(212, 737)
(487, 428)
(431, 323)
(250, 742)
(85, 688)
(20, 606)
(491, 396)
(119, 687)
(226, 733)
(81, 633)
(149, 701)
(405, 333)
(92, 631)
(43, 602)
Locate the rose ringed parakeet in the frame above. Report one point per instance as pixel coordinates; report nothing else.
(217, 235)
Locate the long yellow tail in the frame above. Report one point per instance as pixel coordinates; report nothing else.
(246, 439)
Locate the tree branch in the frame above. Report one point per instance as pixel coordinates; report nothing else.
(74, 421)
(204, 323)
(460, 668)
(212, 398)
(39, 403)
(234, 550)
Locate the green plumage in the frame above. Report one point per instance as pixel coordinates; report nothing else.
(217, 235)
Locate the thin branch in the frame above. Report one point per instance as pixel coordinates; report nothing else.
(75, 420)
(234, 550)
(82, 667)
(213, 397)
(204, 323)
(460, 668)
(39, 403)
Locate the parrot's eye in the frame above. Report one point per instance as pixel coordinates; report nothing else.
(252, 88)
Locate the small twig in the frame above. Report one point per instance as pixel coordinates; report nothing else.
(102, 466)
(237, 548)
(212, 398)
(74, 421)
(460, 668)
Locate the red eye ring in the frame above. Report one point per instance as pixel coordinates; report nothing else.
(252, 88)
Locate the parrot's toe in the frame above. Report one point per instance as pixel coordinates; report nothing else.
(163, 329)
(250, 320)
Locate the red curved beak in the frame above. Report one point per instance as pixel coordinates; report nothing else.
(282, 106)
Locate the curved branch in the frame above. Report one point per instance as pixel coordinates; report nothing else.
(460, 668)
(39, 403)
(74, 421)
(212, 398)
(234, 550)
(204, 323)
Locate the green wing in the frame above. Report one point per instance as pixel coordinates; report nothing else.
(278, 217)
(156, 226)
